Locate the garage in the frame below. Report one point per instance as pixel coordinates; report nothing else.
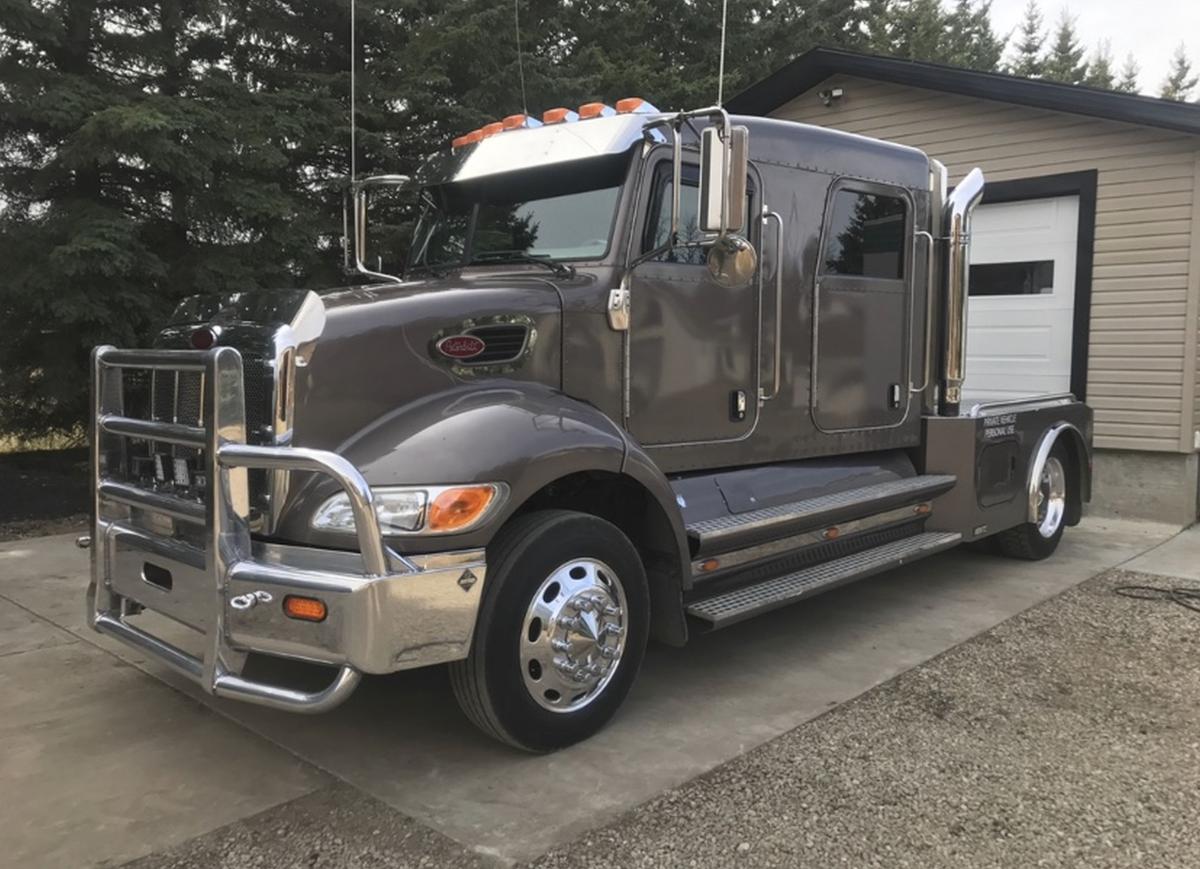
(1021, 313)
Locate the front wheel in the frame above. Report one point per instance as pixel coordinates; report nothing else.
(1036, 540)
(561, 632)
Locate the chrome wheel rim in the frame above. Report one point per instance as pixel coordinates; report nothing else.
(573, 635)
(1052, 497)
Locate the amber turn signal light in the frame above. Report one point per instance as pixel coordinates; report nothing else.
(591, 110)
(458, 507)
(307, 609)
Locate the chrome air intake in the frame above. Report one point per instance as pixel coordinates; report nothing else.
(956, 231)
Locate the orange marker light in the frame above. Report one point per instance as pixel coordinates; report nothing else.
(629, 104)
(307, 609)
(491, 129)
(831, 533)
(513, 122)
(710, 565)
(457, 508)
(556, 116)
(462, 140)
(591, 110)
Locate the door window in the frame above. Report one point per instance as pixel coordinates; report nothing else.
(1026, 278)
(658, 226)
(865, 237)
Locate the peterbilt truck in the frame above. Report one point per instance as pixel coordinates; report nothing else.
(641, 375)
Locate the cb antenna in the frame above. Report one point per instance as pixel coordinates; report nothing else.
(721, 62)
(520, 63)
(353, 109)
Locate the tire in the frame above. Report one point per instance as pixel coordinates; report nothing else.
(1033, 541)
(554, 576)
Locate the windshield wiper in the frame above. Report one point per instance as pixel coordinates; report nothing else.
(495, 256)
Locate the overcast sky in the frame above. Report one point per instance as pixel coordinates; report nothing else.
(1151, 29)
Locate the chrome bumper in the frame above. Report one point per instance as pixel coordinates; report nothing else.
(194, 561)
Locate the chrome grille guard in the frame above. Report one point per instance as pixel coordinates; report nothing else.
(221, 515)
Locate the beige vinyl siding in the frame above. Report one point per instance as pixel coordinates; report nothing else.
(1143, 378)
(1190, 438)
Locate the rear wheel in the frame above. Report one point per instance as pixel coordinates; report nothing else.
(1036, 540)
(561, 632)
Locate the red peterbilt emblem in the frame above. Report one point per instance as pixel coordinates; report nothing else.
(461, 346)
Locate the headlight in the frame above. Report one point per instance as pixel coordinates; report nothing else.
(413, 510)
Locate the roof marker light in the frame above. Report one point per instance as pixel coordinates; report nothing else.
(558, 116)
(595, 110)
(635, 106)
(491, 129)
(467, 139)
(517, 122)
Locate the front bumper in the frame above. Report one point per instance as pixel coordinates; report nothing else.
(195, 562)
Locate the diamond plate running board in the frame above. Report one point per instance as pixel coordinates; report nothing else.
(733, 606)
(727, 533)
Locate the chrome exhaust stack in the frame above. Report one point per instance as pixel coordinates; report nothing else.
(956, 232)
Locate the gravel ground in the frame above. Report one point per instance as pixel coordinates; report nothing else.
(1066, 736)
(334, 827)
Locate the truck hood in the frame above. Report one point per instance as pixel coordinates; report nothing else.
(363, 352)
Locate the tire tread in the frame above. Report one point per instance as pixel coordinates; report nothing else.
(467, 677)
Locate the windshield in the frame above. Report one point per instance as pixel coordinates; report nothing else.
(558, 213)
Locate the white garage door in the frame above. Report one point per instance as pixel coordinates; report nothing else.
(1022, 303)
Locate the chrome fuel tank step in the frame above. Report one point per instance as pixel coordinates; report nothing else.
(726, 533)
(730, 607)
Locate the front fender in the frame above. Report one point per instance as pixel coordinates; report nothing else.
(524, 434)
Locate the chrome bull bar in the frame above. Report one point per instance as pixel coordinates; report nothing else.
(205, 541)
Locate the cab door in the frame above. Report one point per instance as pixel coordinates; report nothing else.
(862, 308)
(693, 344)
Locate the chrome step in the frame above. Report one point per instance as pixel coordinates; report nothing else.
(733, 606)
(726, 533)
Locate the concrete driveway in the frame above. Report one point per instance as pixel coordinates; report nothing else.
(105, 757)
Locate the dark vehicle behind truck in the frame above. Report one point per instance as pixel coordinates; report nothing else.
(644, 374)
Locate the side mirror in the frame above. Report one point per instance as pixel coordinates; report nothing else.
(732, 261)
(356, 245)
(723, 167)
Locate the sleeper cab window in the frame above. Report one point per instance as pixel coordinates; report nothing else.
(658, 224)
(865, 235)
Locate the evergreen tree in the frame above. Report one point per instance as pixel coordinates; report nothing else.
(1029, 61)
(1180, 80)
(1100, 71)
(1128, 82)
(970, 40)
(912, 28)
(1064, 62)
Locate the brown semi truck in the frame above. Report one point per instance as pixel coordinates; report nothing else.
(643, 374)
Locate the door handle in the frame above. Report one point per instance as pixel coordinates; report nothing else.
(926, 358)
(777, 351)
